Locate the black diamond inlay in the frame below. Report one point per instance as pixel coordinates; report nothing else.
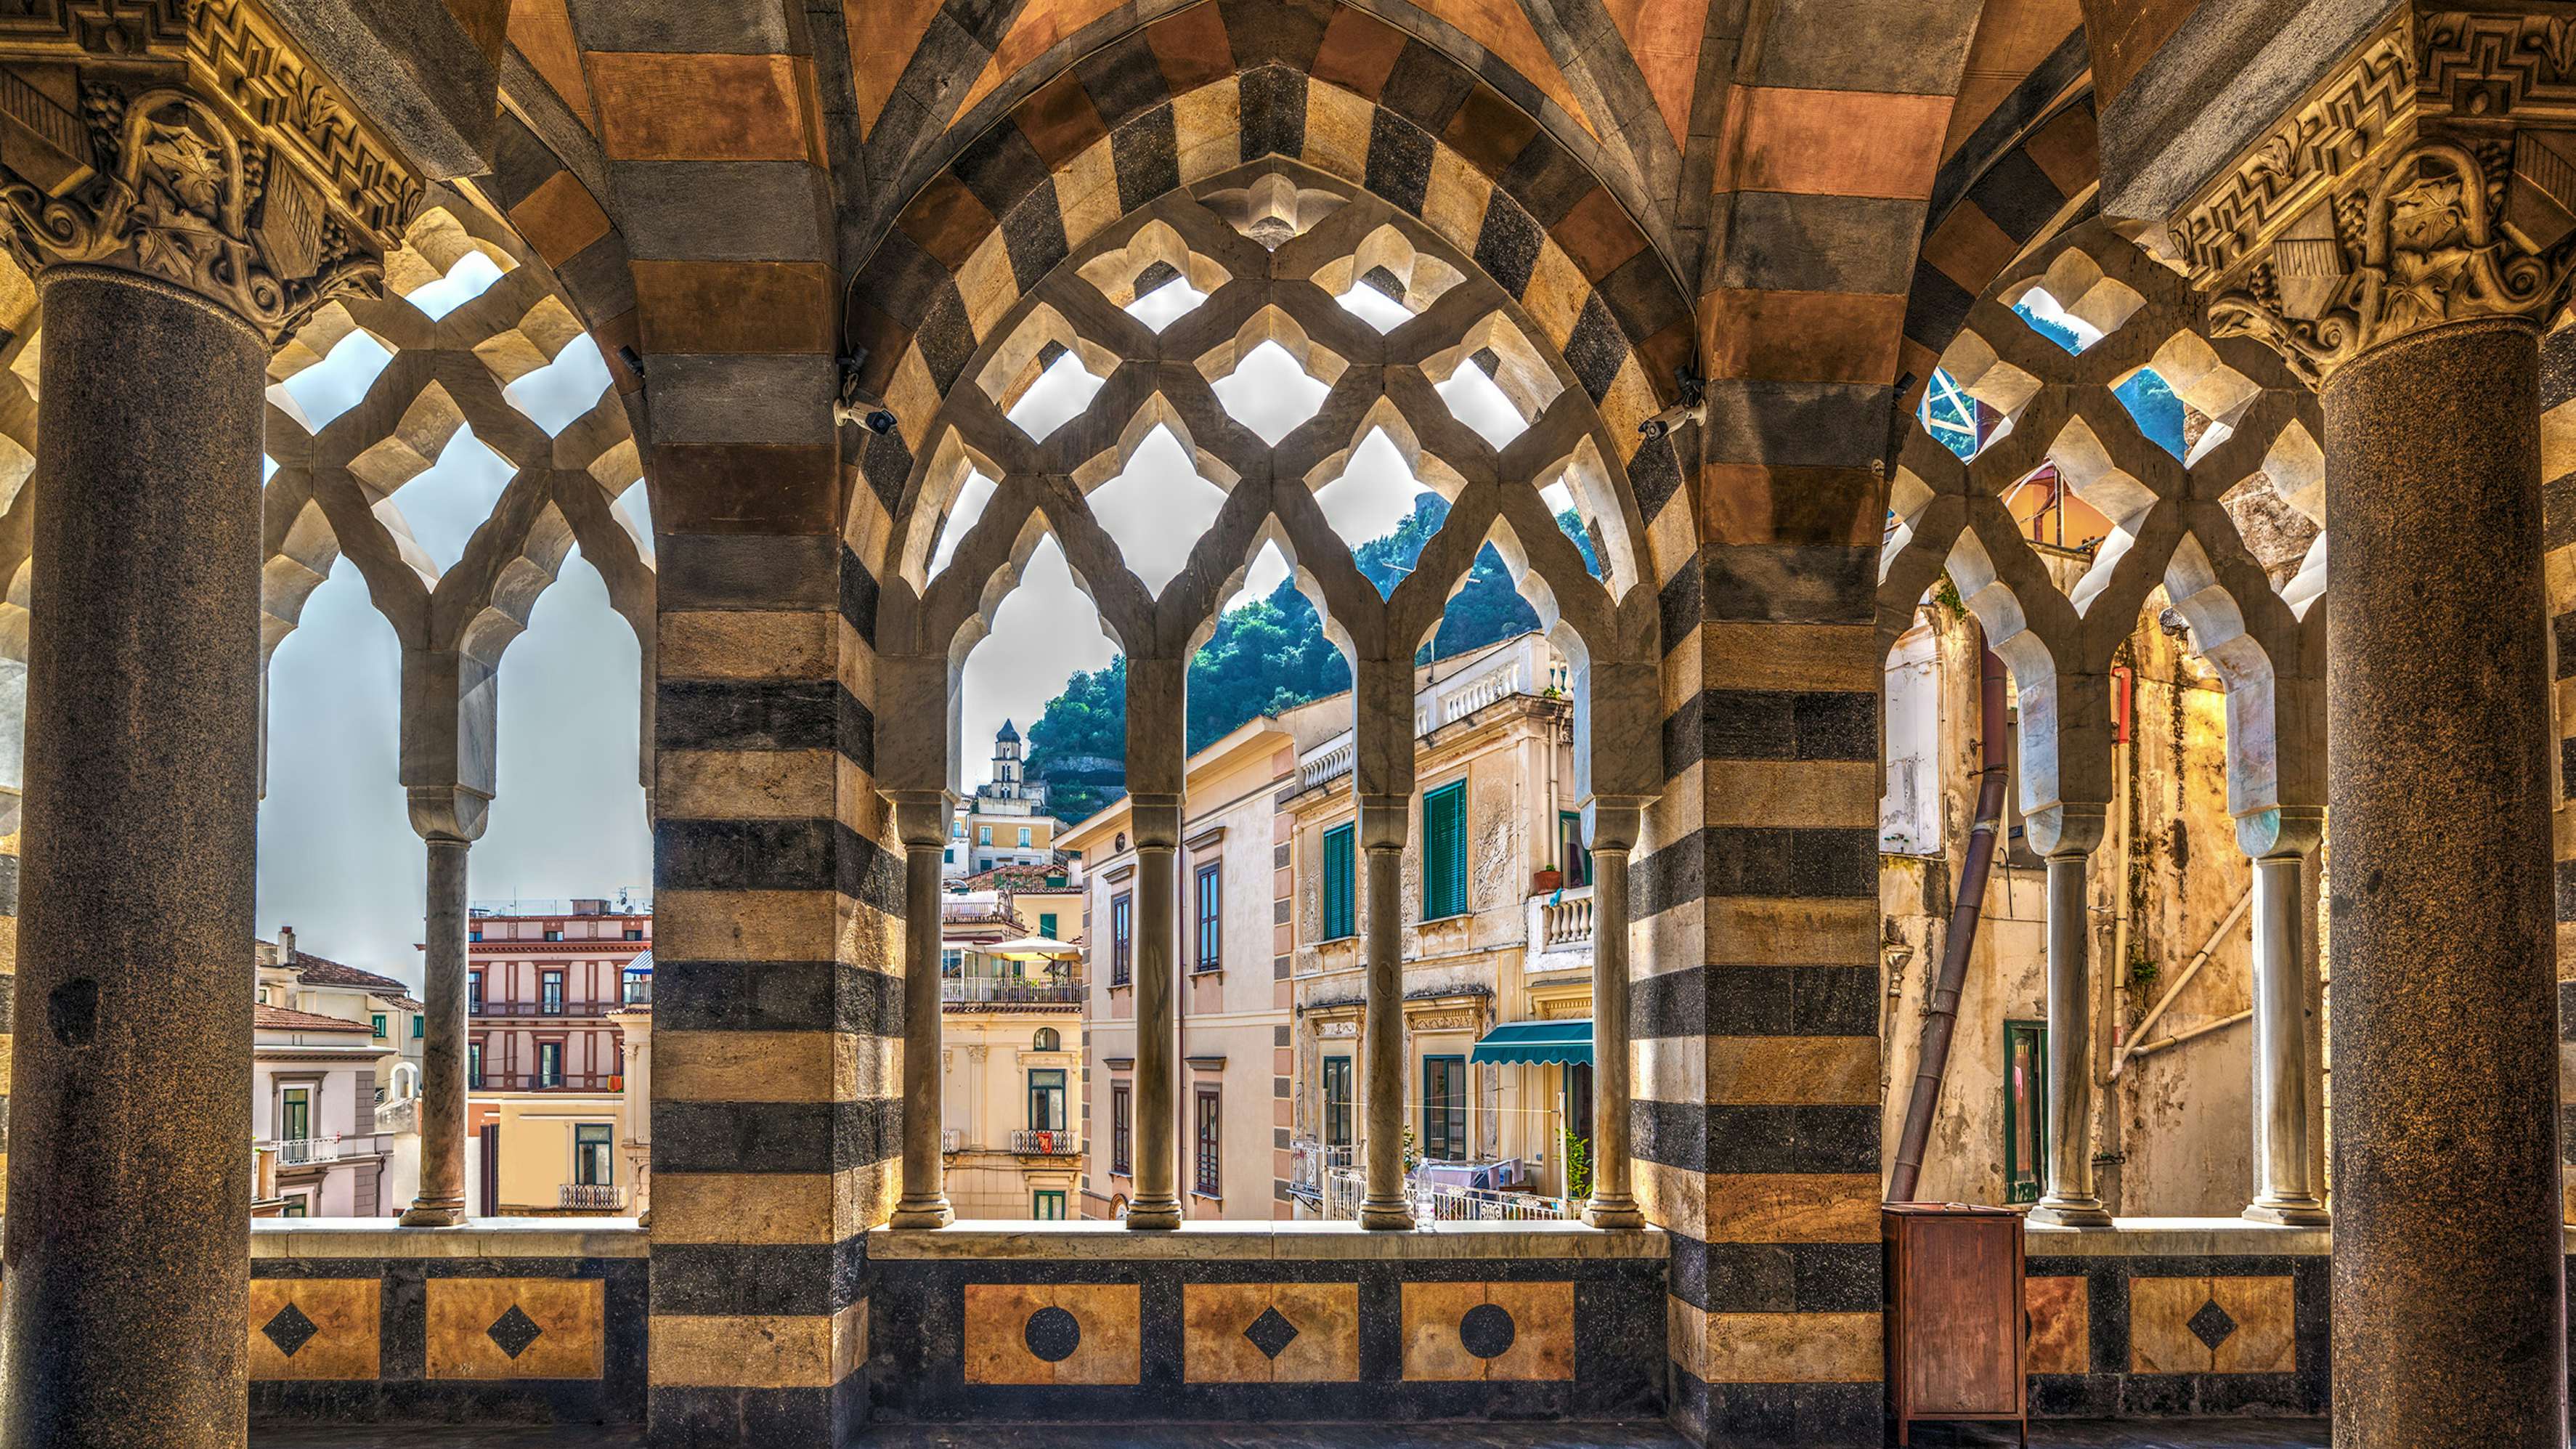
(2211, 1325)
(514, 1331)
(1053, 1334)
(290, 1330)
(1487, 1330)
(1271, 1333)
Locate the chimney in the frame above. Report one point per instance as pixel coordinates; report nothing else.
(285, 945)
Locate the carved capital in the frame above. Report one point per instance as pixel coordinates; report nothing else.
(2429, 178)
(190, 141)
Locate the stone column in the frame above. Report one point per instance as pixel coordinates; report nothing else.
(2448, 1310)
(2070, 1199)
(1157, 1203)
(2285, 1075)
(921, 821)
(1385, 1204)
(441, 1203)
(127, 1245)
(1612, 826)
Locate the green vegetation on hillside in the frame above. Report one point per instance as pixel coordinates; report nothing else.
(1266, 656)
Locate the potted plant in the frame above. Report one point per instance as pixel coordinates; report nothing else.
(1544, 882)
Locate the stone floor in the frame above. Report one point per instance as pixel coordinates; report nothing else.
(2133, 1434)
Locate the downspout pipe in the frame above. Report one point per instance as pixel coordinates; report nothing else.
(1941, 1011)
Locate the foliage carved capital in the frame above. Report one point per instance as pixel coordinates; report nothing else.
(192, 142)
(2429, 178)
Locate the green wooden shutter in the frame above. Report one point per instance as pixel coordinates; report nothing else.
(1444, 851)
(1337, 883)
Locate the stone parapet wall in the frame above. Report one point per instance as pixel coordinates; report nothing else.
(507, 1321)
(1282, 1322)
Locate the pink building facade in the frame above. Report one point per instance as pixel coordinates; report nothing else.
(540, 992)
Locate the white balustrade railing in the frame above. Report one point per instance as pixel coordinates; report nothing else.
(1343, 1187)
(1565, 920)
(305, 1151)
(952, 1139)
(1328, 761)
(1046, 1142)
(1309, 1160)
(603, 1196)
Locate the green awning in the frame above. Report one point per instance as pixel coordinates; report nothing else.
(1537, 1041)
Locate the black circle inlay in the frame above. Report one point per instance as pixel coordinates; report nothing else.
(1054, 1334)
(1487, 1330)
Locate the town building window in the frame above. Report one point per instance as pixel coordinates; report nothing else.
(590, 1156)
(1027, 838)
(1444, 1109)
(298, 1206)
(419, 1027)
(1047, 1205)
(1337, 1101)
(377, 1021)
(1340, 905)
(1046, 1100)
(295, 1114)
(1047, 1041)
(1572, 857)
(475, 934)
(550, 993)
(1444, 851)
(1211, 902)
(1121, 936)
(635, 933)
(983, 835)
(555, 935)
(1046, 924)
(474, 1064)
(948, 857)
(1211, 1167)
(550, 1064)
(474, 993)
(1118, 1119)
(2025, 1108)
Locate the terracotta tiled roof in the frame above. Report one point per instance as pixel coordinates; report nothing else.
(277, 1018)
(403, 1003)
(323, 971)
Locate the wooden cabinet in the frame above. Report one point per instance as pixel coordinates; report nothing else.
(1954, 1314)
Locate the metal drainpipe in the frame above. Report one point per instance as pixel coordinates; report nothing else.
(1941, 1008)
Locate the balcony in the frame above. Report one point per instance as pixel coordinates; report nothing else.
(1560, 930)
(518, 1009)
(559, 1082)
(985, 991)
(952, 1139)
(591, 1196)
(307, 1151)
(639, 991)
(1043, 1143)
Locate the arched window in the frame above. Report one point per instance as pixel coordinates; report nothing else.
(1047, 1041)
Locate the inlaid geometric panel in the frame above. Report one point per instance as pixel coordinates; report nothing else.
(515, 1328)
(1040, 1333)
(2211, 1325)
(314, 1328)
(1488, 1331)
(1259, 1333)
(2061, 1325)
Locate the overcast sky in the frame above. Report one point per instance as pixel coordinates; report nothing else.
(338, 859)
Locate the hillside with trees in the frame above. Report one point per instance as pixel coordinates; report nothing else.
(1266, 656)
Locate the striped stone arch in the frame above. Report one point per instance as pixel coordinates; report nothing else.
(1231, 81)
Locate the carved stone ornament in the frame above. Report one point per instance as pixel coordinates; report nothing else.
(181, 198)
(2430, 254)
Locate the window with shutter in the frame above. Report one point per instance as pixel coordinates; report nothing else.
(1444, 851)
(1337, 884)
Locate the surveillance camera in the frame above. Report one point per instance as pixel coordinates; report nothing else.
(856, 405)
(1672, 417)
(879, 421)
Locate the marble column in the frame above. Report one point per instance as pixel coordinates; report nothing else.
(921, 823)
(129, 1194)
(2285, 1075)
(2449, 1315)
(1157, 1203)
(441, 1201)
(1612, 828)
(1385, 1204)
(2070, 1199)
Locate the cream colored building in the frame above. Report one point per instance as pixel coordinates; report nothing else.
(1005, 821)
(1233, 996)
(1010, 1064)
(1497, 939)
(535, 1150)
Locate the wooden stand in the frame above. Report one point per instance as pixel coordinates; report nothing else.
(1955, 1325)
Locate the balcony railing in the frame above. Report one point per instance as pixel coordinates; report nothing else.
(559, 1082)
(1561, 921)
(952, 1139)
(1343, 1187)
(539, 1008)
(983, 990)
(601, 1196)
(1043, 1143)
(305, 1151)
(639, 992)
(1309, 1160)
